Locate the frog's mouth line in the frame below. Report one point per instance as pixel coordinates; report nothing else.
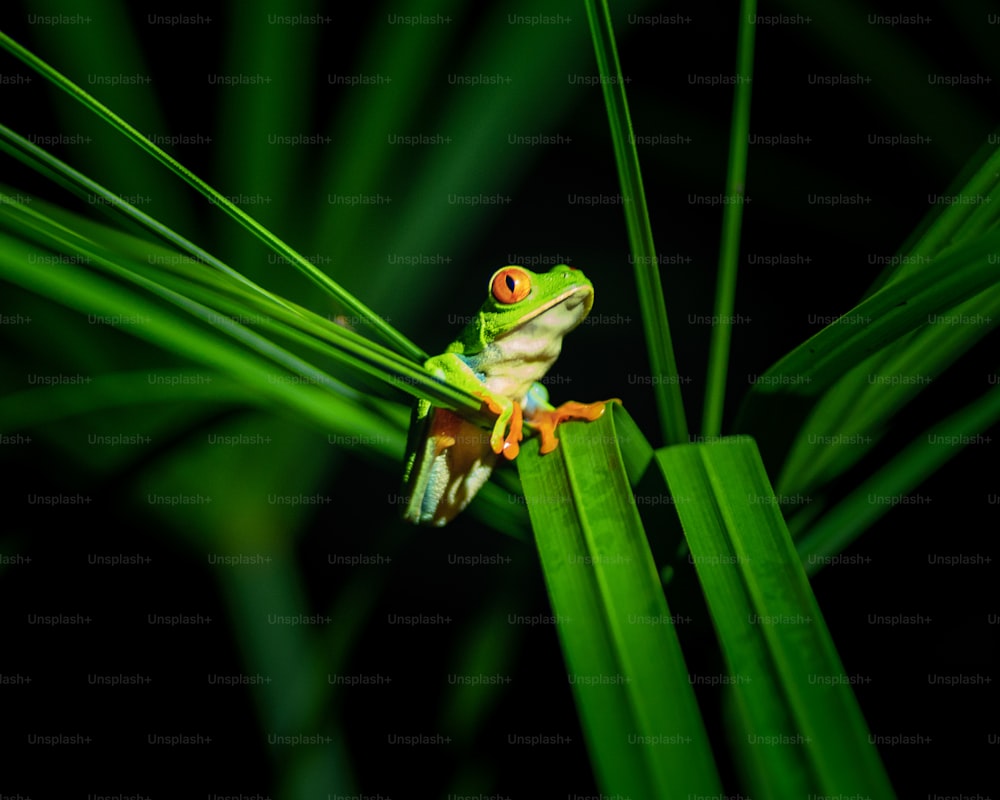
(571, 297)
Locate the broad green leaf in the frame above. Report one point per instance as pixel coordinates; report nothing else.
(798, 727)
(639, 714)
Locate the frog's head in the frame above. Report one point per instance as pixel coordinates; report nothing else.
(556, 301)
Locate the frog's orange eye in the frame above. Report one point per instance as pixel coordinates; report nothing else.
(511, 285)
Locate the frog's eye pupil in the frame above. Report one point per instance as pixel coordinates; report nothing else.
(510, 285)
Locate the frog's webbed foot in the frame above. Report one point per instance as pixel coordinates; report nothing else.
(546, 420)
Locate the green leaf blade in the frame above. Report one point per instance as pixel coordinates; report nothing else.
(656, 327)
(783, 664)
(643, 725)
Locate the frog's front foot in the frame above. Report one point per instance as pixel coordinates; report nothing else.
(510, 421)
(545, 421)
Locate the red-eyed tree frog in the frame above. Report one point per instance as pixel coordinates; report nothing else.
(500, 357)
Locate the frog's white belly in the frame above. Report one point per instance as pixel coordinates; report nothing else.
(515, 361)
(513, 378)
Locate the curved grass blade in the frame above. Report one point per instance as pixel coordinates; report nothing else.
(858, 409)
(386, 332)
(853, 515)
(973, 211)
(78, 183)
(122, 167)
(222, 302)
(859, 403)
(90, 293)
(883, 318)
(239, 298)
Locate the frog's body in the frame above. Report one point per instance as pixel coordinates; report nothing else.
(501, 356)
(514, 362)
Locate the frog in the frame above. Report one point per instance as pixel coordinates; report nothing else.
(500, 357)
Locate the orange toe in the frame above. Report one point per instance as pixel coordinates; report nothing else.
(546, 421)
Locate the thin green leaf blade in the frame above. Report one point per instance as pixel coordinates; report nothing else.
(818, 440)
(656, 327)
(229, 295)
(87, 292)
(389, 334)
(874, 498)
(881, 319)
(732, 222)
